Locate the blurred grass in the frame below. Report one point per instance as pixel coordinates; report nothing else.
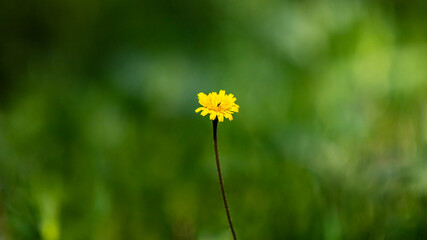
(99, 139)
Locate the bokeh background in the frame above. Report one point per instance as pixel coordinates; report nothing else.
(99, 138)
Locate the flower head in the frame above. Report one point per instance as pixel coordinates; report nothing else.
(218, 105)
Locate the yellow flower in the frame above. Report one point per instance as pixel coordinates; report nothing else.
(218, 105)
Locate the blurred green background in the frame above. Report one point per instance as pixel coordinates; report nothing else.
(99, 138)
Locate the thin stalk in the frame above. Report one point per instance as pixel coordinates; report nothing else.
(215, 125)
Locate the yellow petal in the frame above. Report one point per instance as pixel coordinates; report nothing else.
(221, 93)
(203, 98)
(201, 95)
(199, 109)
(204, 112)
(221, 117)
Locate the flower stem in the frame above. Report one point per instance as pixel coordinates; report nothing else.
(215, 125)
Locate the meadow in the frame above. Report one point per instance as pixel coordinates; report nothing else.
(99, 138)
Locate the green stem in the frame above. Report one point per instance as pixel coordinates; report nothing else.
(215, 126)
